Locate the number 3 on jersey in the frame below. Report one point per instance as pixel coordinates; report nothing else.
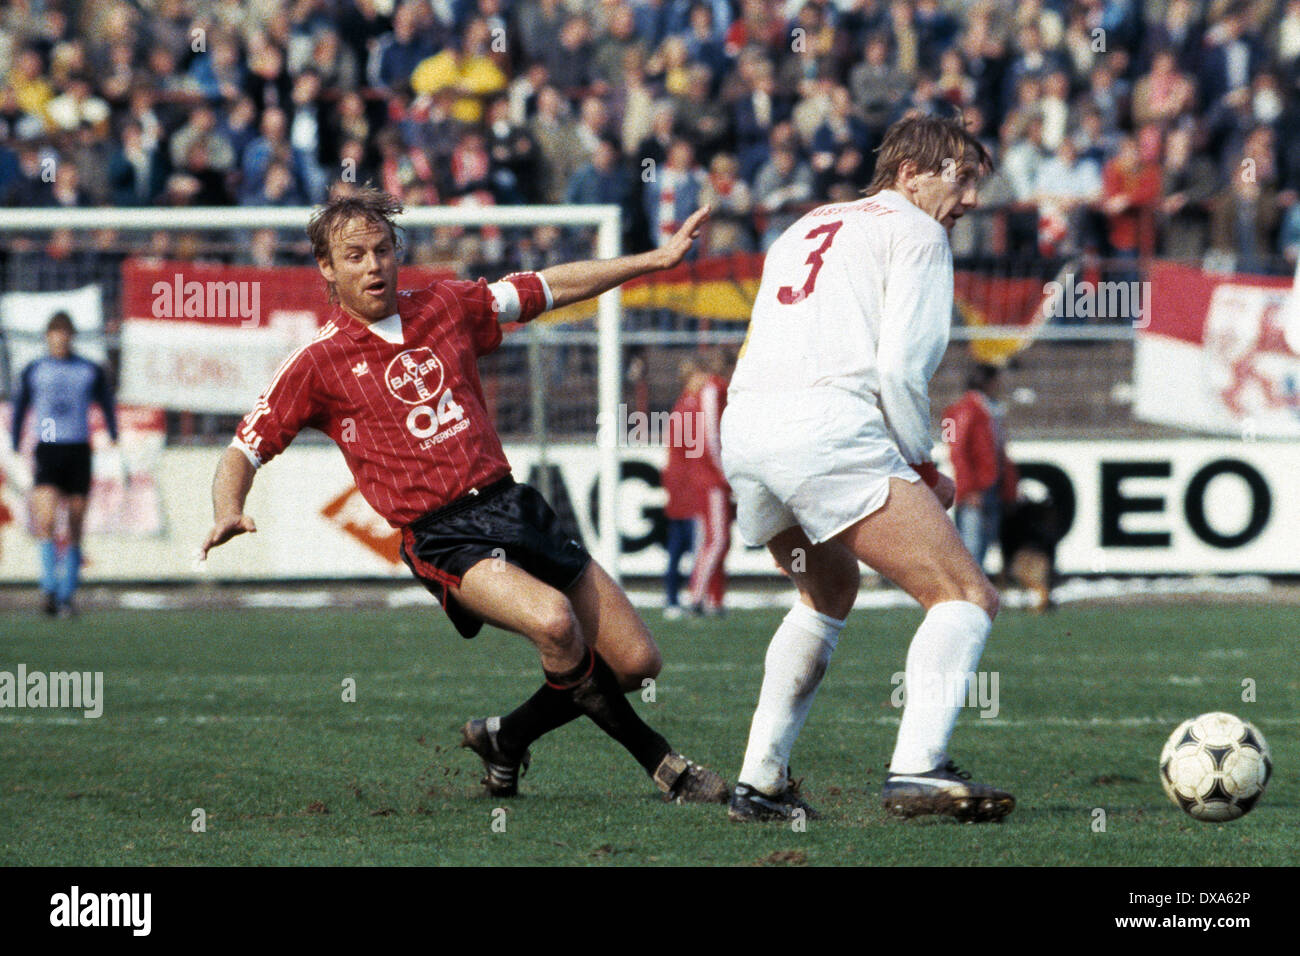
(787, 295)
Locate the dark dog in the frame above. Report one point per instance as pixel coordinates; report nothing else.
(1029, 534)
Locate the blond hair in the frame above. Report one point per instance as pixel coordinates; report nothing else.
(932, 143)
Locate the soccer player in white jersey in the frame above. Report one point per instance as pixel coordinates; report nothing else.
(826, 443)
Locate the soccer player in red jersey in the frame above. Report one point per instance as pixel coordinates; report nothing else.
(392, 378)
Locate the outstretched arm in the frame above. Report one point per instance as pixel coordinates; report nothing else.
(576, 281)
(230, 488)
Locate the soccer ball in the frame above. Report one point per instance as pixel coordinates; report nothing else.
(1215, 766)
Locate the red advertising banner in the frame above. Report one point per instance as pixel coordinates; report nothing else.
(206, 337)
(225, 295)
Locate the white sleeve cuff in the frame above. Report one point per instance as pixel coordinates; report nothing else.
(248, 453)
(505, 300)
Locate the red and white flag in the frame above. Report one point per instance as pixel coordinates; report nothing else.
(1217, 356)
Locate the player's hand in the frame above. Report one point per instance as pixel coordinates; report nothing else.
(676, 248)
(225, 529)
(975, 500)
(945, 490)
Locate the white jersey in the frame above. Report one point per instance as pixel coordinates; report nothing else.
(857, 296)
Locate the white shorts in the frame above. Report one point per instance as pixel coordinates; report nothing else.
(819, 458)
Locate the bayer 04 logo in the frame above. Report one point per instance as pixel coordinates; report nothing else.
(1215, 767)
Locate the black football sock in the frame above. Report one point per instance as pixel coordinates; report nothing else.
(540, 714)
(594, 690)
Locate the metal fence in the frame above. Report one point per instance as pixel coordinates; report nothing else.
(1072, 381)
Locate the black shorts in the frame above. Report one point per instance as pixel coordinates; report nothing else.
(65, 465)
(504, 520)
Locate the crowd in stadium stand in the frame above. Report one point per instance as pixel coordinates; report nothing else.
(1119, 127)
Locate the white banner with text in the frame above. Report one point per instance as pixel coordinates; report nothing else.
(1124, 507)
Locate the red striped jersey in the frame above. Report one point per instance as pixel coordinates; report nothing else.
(401, 397)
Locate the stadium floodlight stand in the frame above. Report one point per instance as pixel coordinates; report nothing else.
(609, 317)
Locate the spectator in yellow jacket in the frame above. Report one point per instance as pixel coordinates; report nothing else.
(470, 70)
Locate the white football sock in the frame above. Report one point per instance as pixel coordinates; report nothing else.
(793, 669)
(943, 656)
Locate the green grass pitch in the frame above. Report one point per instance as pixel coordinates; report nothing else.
(240, 713)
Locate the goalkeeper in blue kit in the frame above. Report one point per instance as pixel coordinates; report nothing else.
(59, 389)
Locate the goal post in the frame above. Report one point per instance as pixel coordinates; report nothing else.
(605, 219)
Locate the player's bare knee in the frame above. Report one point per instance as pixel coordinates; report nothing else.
(637, 656)
(833, 589)
(976, 590)
(836, 603)
(844, 581)
(645, 664)
(554, 625)
(985, 596)
(653, 661)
